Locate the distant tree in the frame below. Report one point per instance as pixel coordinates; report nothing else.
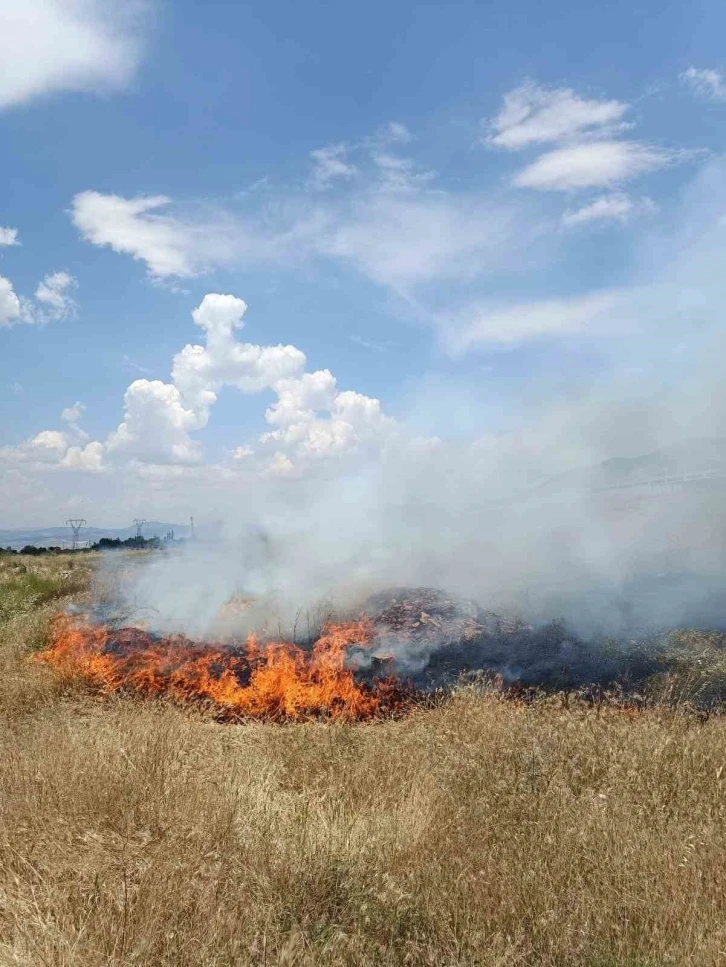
(131, 543)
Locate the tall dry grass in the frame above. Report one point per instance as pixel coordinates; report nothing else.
(478, 833)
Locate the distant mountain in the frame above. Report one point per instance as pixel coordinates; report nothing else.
(692, 456)
(48, 536)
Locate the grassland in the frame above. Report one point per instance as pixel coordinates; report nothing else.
(478, 833)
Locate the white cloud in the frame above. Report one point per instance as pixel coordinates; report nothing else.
(588, 153)
(51, 440)
(394, 131)
(330, 163)
(159, 417)
(51, 301)
(52, 294)
(8, 236)
(395, 230)
(399, 174)
(173, 245)
(201, 371)
(47, 46)
(72, 414)
(156, 425)
(241, 453)
(312, 418)
(608, 208)
(591, 165)
(280, 466)
(131, 226)
(414, 238)
(89, 458)
(315, 419)
(705, 82)
(536, 115)
(10, 306)
(435, 249)
(513, 324)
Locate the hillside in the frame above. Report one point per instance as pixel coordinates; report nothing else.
(47, 536)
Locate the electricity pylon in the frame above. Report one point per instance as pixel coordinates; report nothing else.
(75, 524)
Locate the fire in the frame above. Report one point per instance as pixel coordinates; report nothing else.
(272, 681)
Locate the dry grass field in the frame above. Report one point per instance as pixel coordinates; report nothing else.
(479, 833)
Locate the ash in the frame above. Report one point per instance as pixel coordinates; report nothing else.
(432, 638)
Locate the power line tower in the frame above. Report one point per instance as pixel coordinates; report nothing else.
(139, 521)
(75, 524)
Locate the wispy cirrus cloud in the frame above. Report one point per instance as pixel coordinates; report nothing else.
(513, 324)
(536, 115)
(595, 164)
(616, 207)
(706, 82)
(590, 152)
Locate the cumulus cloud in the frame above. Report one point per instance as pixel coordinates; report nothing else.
(312, 418)
(48, 46)
(705, 82)
(156, 425)
(241, 453)
(72, 414)
(51, 440)
(88, 457)
(8, 236)
(10, 306)
(159, 417)
(315, 419)
(537, 115)
(52, 301)
(591, 165)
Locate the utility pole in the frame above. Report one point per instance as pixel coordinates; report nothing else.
(139, 521)
(191, 524)
(75, 524)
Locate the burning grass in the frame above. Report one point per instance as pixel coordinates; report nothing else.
(271, 681)
(480, 832)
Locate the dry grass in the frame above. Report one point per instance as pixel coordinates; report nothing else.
(479, 833)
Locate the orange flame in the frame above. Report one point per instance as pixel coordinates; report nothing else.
(273, 681)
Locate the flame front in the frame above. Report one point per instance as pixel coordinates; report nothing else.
(272, 681)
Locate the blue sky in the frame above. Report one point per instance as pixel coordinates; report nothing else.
(473, 217)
